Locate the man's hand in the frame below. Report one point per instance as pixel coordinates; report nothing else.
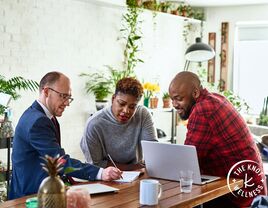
(111, 173)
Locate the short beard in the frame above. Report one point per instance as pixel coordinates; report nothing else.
(188, 110)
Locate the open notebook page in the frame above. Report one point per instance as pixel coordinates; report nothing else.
(129, 176)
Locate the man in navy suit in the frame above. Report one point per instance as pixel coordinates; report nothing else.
(37, 134)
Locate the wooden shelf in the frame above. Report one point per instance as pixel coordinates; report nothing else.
(160, 109)
(122, 5)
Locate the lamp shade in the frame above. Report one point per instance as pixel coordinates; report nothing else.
(199, 51)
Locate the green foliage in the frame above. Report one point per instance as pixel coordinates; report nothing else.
(103, 83)
(151, 5)
(164, 6)
(132, 34)
(263, 115)
(236, 101)
(132, 3)
(185, 10)
(187, 29)
(116, 75)
(12, 85)
(99, 84)
(263, 120)
(165, 95)
(198, 13)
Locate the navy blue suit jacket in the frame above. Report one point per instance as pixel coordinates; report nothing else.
(35, 137)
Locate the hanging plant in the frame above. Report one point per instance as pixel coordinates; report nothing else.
(132, 34)
(102, 84)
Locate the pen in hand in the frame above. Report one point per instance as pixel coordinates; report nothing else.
(110, 158)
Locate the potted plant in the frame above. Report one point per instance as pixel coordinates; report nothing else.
(100, 85)
(185, 10)
(263, 120)
(164, 6)
(12, 85)
(150, 4)
(166, 100)
(134, 3)
(149, 94)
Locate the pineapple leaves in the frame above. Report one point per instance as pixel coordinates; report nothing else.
(54, 165)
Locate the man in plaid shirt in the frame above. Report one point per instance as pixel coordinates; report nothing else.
(220, 135)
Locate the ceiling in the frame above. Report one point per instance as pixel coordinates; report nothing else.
(212, 3)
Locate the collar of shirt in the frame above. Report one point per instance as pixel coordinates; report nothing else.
(203, 93)
(48, 114)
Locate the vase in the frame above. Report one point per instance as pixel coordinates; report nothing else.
(146, 102)
(153, 102)
(100, 104)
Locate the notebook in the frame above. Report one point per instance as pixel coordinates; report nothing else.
(165, 161)
(96, 188)
(129, 176)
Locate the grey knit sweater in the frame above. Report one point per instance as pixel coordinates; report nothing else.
(105, 135)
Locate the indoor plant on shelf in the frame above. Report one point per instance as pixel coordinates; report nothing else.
(149, 94)
(166, 100)
(100, 85)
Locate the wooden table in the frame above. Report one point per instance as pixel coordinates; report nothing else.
(128, 195)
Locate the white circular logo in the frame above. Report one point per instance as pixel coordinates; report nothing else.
(251, 173)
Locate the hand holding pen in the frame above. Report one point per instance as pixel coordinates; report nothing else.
(110, 158)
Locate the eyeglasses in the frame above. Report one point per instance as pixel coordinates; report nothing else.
(63, 96)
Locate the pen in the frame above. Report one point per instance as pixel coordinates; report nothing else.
(110, 158)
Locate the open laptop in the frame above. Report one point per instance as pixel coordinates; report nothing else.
(165, 161)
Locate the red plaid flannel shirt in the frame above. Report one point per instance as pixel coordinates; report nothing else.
(221, 136)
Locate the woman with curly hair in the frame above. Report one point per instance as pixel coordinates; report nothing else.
(118, 129)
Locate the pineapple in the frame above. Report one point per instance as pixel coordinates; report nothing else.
(52, 191)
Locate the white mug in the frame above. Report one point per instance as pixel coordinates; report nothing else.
(150, 191)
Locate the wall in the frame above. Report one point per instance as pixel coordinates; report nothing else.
(74, 36)
(217, 15)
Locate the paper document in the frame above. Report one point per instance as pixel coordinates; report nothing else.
(80, 180)
(129, 176)
(96, 188)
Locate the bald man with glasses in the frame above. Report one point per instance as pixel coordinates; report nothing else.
(38, 134)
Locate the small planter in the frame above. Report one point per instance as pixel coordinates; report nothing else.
(149, 4)
(174, 12)
(100, 104)
(153, 102)
(166, 103)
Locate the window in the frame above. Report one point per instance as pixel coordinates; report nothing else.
(250, 78)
